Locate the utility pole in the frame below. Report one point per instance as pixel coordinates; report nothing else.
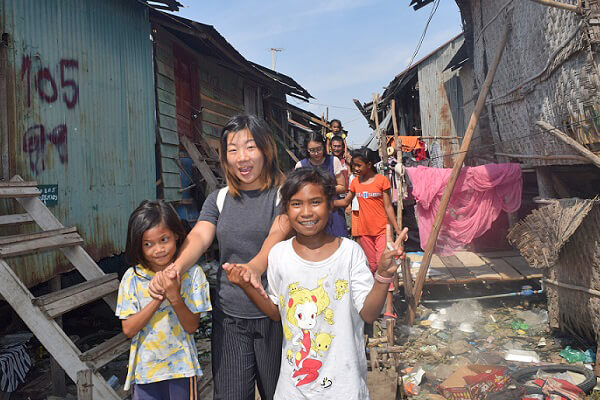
(273, 50)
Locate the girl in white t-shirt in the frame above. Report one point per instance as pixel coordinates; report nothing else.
(322, 290)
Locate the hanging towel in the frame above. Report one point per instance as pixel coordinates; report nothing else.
(480, 194)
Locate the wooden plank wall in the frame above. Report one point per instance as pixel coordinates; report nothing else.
(168, 141)
(222, 96)
(224, 92)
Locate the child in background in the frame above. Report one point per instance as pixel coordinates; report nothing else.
(336, 130)
(163, 360)
(376, 210)
(321, 288)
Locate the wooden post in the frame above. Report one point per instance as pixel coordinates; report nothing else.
(380, 135)
(390, 331)
(84, 385)
(406, 275)
(437, 223)
(597, 365)
(373, 359)
(571, 142)
(59, 387)
(4, 107)
(544, 183)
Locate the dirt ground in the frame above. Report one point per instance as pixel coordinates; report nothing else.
(446, 336)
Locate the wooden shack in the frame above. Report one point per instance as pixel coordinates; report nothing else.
(202, 81)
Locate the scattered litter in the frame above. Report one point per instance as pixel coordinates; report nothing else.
(438, 324)
(573, 355)
(466, 327)
(459, 347)
(474, 382)
(411, 380)
(525, 356)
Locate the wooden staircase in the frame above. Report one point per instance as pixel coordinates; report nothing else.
(206, 160)
(39, 313)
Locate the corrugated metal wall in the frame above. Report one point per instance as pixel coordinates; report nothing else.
(441, 102)
(81, 114)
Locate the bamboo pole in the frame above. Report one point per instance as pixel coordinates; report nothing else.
(563, 6)
(380, 135)
(540, 157)
(571, 142)
(437, 223)
(4, 108)
(406, 275)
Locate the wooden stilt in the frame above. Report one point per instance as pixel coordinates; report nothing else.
(437, 224)
(373, 356)
(597, 366)
(406, 275)
(390, 331)
(544, 183)
(59, 387)
(84, 385)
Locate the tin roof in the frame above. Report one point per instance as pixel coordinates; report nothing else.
(206, 39)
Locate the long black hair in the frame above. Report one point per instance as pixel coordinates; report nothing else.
(303, 176)
(146, 216)
(314, 137)
(366, 155)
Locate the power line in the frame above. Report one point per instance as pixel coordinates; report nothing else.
(298, 102)
(433, 10)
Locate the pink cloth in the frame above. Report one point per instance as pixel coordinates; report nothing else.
(479, 196)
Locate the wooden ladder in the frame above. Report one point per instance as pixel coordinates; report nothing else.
(39, 313)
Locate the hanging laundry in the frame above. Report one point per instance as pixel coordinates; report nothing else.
(14, 362)
(420, 152)
(410, 143)
(480, 194)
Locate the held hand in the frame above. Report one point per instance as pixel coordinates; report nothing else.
(388, 263)
(235, 274)
(156, 287)
(172, 284)
(253, 275)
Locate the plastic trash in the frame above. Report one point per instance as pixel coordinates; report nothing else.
(519, 325)
(466, 327)
(574, 355)
(113, 381)
(412, 380)
(526, 356)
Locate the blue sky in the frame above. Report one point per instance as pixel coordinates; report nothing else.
(336, 49)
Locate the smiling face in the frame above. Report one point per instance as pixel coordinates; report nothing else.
(245, 160)
(308, 210)
(159, 245)
(360, 168)
(316, 151)
(337, 148)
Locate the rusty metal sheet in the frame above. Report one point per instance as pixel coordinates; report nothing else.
(81, 115)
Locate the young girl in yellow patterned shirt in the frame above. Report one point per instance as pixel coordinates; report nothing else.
(163, 360)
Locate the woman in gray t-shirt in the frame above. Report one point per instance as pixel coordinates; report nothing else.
(246, 344)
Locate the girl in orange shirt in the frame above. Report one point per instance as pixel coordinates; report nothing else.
(375, 203)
